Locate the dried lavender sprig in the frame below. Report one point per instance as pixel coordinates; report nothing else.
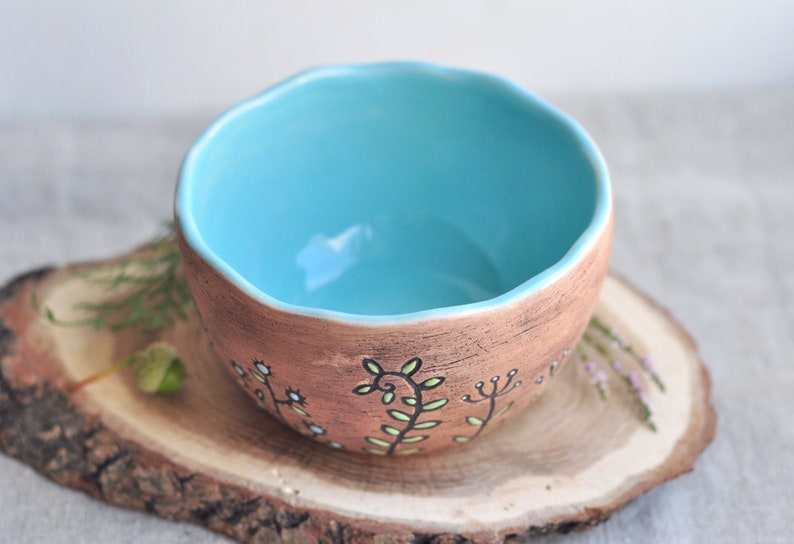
(645, 361)
(637, 390)
(648, 366)
(632, 380)
(598, 378)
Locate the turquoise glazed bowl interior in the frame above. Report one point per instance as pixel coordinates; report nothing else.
(390, 191)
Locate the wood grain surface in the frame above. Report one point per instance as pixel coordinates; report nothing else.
(207, 455)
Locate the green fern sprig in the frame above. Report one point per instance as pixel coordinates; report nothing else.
(145, 290)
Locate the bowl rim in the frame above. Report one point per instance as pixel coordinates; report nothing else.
(576, 252)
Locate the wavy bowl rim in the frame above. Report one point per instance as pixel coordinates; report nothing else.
(544, 279)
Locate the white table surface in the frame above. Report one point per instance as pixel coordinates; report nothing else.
(704, 198)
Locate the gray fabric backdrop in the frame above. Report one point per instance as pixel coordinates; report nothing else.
(704, 192)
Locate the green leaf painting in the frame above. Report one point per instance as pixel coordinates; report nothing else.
(372, 367)
(434, 405)
(432, 383)
(412, 396)
(398, 415)
(411, 367)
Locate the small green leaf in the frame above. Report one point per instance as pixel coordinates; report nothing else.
(388, 397)
(427, 424)
(372, 367)
(398, 415)
(503, 410)
(461, 439)
(411, 367)
(434, 405)
(388, 429)
(407, 452)
(365, 389)
(432, 383)
(50, 315)
(256, 374)
(378, 442)
(413, 439)
(409, 401)
(298, 409)
(477, 422)
(173, 379)
(157, 369)
(373, 451)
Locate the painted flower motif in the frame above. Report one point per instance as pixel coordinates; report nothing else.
(294, 396)
(480, 422)
(262, 367)
(315, 429)
(237, 368)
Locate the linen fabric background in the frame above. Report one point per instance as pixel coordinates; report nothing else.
(691, 103)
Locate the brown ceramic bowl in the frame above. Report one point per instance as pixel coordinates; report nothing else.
(393, 258)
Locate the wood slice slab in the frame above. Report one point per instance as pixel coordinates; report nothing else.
(207, 455)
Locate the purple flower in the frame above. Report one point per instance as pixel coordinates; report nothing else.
(590, 367)
(616, 366)
(600, 377)
(647, 363)
(638, 387)
(635, 382)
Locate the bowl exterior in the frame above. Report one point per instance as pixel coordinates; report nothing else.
(404, 387)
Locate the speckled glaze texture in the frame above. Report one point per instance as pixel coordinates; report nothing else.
(317, 375)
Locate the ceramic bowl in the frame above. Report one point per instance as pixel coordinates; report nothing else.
(393, 258)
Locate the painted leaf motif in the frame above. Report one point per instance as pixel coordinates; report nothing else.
(372, 367)
(414, 439)
(461, 438)
(411, 367)
(427, 424)
(407, 452)
(388, 429)
(258, 376)
(432, 383)
(477, 422)
(398, 415)
(373, 451)
(388, 397)
(434, 405)
(298, 409)
(503, 410)
(365, 389)
(409, 401)
(378, 442)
